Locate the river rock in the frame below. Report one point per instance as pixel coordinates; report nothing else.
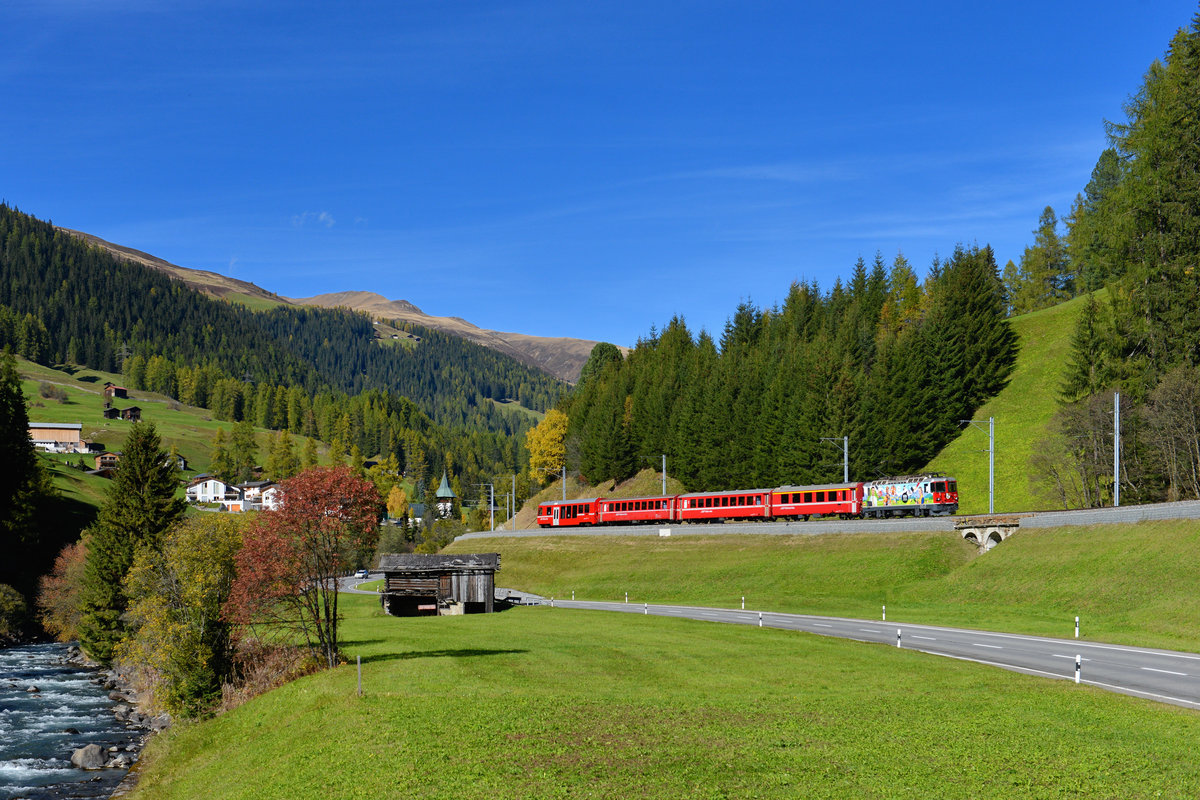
(89, 757)
(160, 723)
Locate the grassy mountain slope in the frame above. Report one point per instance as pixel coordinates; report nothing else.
(1021, 412)
(187, 429)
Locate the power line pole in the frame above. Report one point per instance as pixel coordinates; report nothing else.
(1116, 449)
(845, 455)
(991, 451)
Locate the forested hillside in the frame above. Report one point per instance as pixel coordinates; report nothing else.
(885, 360)
(1134, 229)
(64, 302)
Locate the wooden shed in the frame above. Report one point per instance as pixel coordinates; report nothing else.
(416, 584)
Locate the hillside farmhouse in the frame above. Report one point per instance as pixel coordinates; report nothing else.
(57, 437)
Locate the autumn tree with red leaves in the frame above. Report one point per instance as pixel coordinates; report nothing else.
(290, 560)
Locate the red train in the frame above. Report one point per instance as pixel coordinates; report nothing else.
(916, 495)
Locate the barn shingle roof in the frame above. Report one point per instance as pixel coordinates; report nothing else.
(423, 562)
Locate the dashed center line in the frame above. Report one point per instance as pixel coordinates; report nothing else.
(926, 638)
(869, 630)
(1165, 671)
(821, 625)
(1056, 655)
(991, 646)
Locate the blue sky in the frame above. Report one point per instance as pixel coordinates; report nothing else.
(557, 168)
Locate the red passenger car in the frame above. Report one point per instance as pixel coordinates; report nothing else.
(576, 512)
(712, 506)
(842, 499)
(630, 510)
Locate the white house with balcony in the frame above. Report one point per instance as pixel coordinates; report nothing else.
(211, 489)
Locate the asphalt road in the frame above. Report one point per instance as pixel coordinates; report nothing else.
(1164, 675)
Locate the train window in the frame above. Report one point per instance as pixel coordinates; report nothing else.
(808, 497)
(952, 486)
(820, 497)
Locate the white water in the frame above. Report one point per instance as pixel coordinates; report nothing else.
(35, 747)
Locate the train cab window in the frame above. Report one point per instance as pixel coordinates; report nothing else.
(952, 486)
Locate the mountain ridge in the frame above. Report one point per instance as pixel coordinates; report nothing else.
(560, 356)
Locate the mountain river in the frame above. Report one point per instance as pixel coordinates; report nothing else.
(40, 729)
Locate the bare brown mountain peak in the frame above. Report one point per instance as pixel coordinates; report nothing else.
(562, 357)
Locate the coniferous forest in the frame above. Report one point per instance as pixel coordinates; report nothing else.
(891, 363)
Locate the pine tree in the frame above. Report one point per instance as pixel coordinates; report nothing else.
(1150, 217)
(141, 505)
(282, 462)
(243, 451)
(23, 483)
(220, 463)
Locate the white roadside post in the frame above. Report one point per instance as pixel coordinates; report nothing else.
(897, 637)
(743, 602)
(760, 619)
(646, 608)
(627, 597)
(885, 613)
(1078, 666)
(1076, 627)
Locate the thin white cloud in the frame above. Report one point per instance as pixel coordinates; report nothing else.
(313, 218)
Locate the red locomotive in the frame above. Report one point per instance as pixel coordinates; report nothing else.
(916, 495)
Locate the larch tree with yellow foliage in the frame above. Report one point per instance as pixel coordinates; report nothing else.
(547, 446)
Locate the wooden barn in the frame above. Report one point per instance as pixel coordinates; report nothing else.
(416, 584)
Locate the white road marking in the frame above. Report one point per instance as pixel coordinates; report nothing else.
(926, 638)
(1056, 655)
(1165, 671)
(869, 630)
(821, 625)
(992, 646)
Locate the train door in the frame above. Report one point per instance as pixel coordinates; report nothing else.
(555, 515)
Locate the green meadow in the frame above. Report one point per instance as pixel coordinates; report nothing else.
(550, 703)
(553, 703)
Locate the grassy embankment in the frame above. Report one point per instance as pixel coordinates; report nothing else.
(1133, 584)
(539, 702)
(1022, 412)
